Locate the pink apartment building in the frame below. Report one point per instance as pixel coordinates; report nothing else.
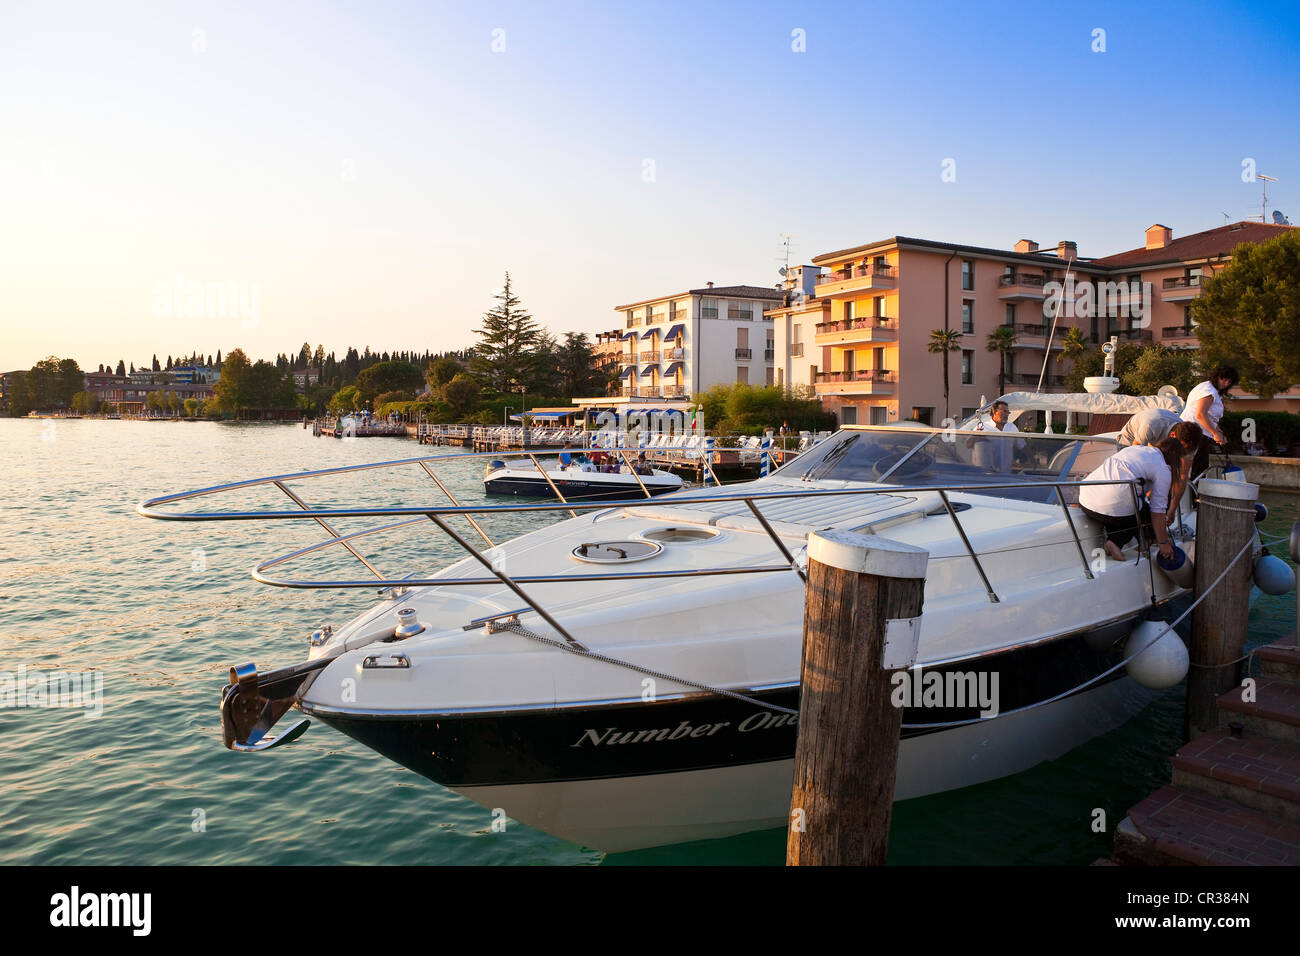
(860, 338)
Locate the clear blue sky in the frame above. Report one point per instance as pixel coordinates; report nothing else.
(371, 169)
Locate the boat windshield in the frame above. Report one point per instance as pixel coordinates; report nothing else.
(940, 458)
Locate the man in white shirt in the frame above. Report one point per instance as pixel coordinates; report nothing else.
(1000, 421)
(1111, 506)
(1148, 426)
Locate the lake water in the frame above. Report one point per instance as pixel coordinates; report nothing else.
(162, 609)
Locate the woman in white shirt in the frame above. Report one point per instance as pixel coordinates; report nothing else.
(1205, 408)
(1111, 506)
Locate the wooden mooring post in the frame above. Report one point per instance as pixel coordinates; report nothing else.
(1225, 521)
(861, 625)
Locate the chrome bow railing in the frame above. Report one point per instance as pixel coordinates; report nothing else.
(160, 508)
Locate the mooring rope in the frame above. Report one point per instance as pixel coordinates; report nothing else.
(1106, 673)
(649, 672)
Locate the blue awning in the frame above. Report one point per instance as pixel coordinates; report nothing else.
(629, 335)
(672, 368)
(649, 333)
(675, 331)
(541, 416)
(629, 372)
(649, 371)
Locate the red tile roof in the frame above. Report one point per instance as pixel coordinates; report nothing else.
(1199, 245)
(742, 292)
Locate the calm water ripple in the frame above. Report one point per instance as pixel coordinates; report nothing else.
(162, 609)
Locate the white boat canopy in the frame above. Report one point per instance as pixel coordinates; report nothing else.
(1091, 403)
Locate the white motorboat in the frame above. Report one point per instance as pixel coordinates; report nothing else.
(570, 482)
(630, 676)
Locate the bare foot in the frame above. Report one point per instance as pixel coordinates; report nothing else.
(1113, 550)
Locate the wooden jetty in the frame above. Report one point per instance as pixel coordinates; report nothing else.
(1234, 796)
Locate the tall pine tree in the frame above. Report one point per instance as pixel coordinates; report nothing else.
(505, 357)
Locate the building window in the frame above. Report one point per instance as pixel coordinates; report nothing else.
(967, 366)
(967, 316)
(967, 275)
(848, 311)
(1010, 315)
(743, 311)
(771, 376)
(796, 333)
(880, 306)
(708, 308)
(849, 415)
(923, 414)
(967, 411)
(879, 415)
(742, 374)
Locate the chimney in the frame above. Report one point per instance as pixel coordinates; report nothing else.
(1159, 236)
(1065, 249)
(1026, 245)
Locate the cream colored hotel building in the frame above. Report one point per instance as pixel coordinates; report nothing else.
(859, 338)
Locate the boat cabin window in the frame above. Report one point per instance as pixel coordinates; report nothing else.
(929, 458)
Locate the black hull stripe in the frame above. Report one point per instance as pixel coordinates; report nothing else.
(670, 736)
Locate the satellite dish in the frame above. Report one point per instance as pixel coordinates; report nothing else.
(782, 270)
(1280, 219)
(1167, 391)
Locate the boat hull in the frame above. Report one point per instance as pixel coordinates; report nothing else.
(630, 774)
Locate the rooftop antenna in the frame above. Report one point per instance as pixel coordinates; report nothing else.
(785, 242)
(1263, 201)
(1225, 218)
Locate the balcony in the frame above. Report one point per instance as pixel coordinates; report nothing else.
(625, 359)
(708, 313)
(1131, 335)
(1031, 379)
(741, 315)
(873, 277)
(769, 354)
(1187, 333)
(796, 350)
(744, 353)
(1180, 289)
(672, 355)
(1023, 287)
(648, 391)
(674, 391)
(867, 381)
(633, 322)
(1030, 330)
(627, 392)
(871, 328)
(650, 356)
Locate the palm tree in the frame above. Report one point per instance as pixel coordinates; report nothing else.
(1003, 340)
(1073, 344)
(943, 341)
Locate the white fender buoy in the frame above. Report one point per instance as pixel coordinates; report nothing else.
(1163, 660)
(1177, 569)
(1273, 575)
